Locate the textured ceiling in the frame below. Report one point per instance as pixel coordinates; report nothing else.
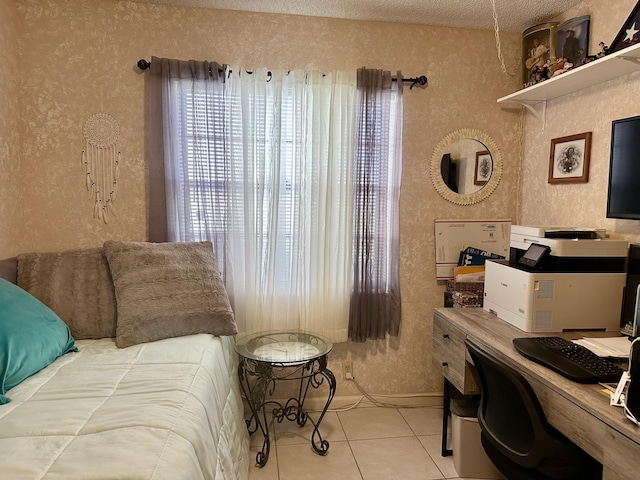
(513, 15)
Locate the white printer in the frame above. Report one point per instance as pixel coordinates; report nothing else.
(570, 279)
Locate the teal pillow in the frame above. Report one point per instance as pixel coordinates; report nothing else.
(31, 337)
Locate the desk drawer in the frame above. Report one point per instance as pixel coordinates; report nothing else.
(449, 355)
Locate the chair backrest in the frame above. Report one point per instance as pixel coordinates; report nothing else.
(510, 415)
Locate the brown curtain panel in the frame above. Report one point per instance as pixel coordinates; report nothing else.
(166, 142)
(157, 214)
(375, 309)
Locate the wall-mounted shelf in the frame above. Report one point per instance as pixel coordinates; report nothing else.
(605, 68)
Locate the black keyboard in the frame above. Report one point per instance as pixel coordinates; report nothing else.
(569, 359)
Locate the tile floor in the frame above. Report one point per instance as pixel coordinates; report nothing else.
(366, 443)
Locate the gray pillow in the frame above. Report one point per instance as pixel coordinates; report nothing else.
(167, 290)
(76, 285)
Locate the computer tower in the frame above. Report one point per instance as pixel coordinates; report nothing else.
(631, 287)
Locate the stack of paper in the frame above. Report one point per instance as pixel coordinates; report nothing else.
(614, 347)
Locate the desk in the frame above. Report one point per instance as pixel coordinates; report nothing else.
(580, 412)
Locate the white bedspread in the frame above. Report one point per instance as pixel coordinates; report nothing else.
(164, 410)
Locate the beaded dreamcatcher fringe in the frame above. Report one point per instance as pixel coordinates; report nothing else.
(101, 161)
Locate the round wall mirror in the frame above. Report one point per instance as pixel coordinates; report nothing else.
(466, 166)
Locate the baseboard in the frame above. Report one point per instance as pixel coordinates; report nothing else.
(346, 401)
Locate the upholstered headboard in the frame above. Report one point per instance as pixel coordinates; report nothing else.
(9, 269)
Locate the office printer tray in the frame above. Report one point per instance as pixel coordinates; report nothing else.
(564, 247)
(552, 232)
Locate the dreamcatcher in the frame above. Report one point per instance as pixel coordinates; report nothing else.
(101, 160)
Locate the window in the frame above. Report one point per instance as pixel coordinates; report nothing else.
(269, 166)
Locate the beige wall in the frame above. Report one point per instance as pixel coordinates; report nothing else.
(9, 128)
(78, 57)
(589, 110)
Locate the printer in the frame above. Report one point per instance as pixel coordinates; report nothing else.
(558, 278)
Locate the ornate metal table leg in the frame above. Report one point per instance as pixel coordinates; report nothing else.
(255, 395)
(320, 445)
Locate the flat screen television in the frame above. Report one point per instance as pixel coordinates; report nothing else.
(623, 200)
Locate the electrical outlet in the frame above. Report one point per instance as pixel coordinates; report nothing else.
(347, 370)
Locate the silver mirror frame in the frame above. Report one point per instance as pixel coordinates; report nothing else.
(441, 149)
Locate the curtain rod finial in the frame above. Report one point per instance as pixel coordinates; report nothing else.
(143, 64)
(421, 80)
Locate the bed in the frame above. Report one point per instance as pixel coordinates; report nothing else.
(162, 408)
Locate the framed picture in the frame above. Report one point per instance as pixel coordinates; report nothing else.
(569, 159)
(628, 34)
(484, 168)
(538, 47)
(572, 40)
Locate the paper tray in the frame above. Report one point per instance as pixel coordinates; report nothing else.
(561, 247)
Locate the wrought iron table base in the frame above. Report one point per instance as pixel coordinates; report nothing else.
(258, 380)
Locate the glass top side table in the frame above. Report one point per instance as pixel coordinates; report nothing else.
(270, 357)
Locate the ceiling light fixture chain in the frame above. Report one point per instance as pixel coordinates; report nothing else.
(497, 33)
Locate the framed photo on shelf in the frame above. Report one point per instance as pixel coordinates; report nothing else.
(569, 159)
(538, 47)
(629, 33)
(572, 40)
(484, 168)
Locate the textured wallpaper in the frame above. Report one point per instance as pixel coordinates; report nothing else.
(78, 58)
(9, 129)
(589, 110)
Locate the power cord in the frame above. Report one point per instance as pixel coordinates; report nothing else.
(373, 398)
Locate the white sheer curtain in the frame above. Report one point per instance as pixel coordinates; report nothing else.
(290, 152)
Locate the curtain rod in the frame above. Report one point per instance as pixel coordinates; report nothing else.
(421, 80)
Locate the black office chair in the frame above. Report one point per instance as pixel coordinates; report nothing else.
(515, 433)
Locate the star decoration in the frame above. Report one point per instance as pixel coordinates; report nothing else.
(631, 32)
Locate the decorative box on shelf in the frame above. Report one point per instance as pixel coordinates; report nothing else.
(473, 287)
(466, 300)
(464, 294)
